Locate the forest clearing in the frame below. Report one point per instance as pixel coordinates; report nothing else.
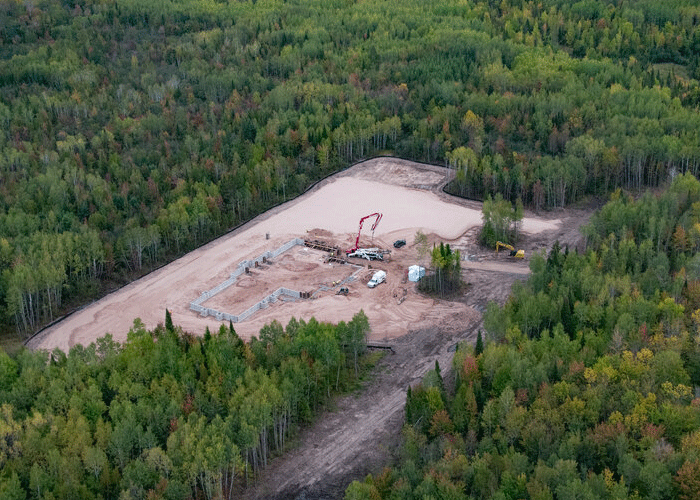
(163, 166)
(360, 433)
(408, 194)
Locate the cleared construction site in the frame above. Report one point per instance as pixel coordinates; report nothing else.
(298, 256)
(305, 263)
(325, 270)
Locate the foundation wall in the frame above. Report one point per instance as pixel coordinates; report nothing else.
(196, 305)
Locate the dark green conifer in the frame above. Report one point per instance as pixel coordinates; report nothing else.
(441, 382)
(169, 322)
(479, 344)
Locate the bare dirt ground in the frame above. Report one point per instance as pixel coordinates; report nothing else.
(408, 195)
(360, 434)
(300, 269)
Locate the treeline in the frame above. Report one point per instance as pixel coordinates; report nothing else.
(166, 414)
(587, 385)
(156, 126)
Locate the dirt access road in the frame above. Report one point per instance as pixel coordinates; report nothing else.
(362, 431)
(360, 435)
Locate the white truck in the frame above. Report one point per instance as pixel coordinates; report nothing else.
(378, 277)
(368, 253)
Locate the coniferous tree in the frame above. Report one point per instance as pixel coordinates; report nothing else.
(479, 348)
(440, 381)
(169, 322)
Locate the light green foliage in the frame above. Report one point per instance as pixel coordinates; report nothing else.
(362, 491)
(127, 150)
(11, 488)
(8, 372)
(494, 322)
(446, 277)
(353, 337)
(166, 413)
(587, 387)
(500, 219)
(420, 241)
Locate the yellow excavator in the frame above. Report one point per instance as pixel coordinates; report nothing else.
(518, 254)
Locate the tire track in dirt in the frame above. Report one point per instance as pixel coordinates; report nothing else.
(362, 433)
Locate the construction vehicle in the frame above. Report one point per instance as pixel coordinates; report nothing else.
(367, 253)
(374, 226)
(343, 290)
(518, 254)
(378, 278)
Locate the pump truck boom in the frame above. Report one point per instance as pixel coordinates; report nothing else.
(362, 220)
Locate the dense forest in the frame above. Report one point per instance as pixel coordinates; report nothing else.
(133, 131)
(586, 384)
(166, 415)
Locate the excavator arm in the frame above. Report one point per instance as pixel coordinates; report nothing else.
(518, 254)
(500, 244)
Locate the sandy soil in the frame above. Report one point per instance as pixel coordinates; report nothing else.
(359, 435)
(406, 193)
(300, 268)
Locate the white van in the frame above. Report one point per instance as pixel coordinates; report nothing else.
(378, 277)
